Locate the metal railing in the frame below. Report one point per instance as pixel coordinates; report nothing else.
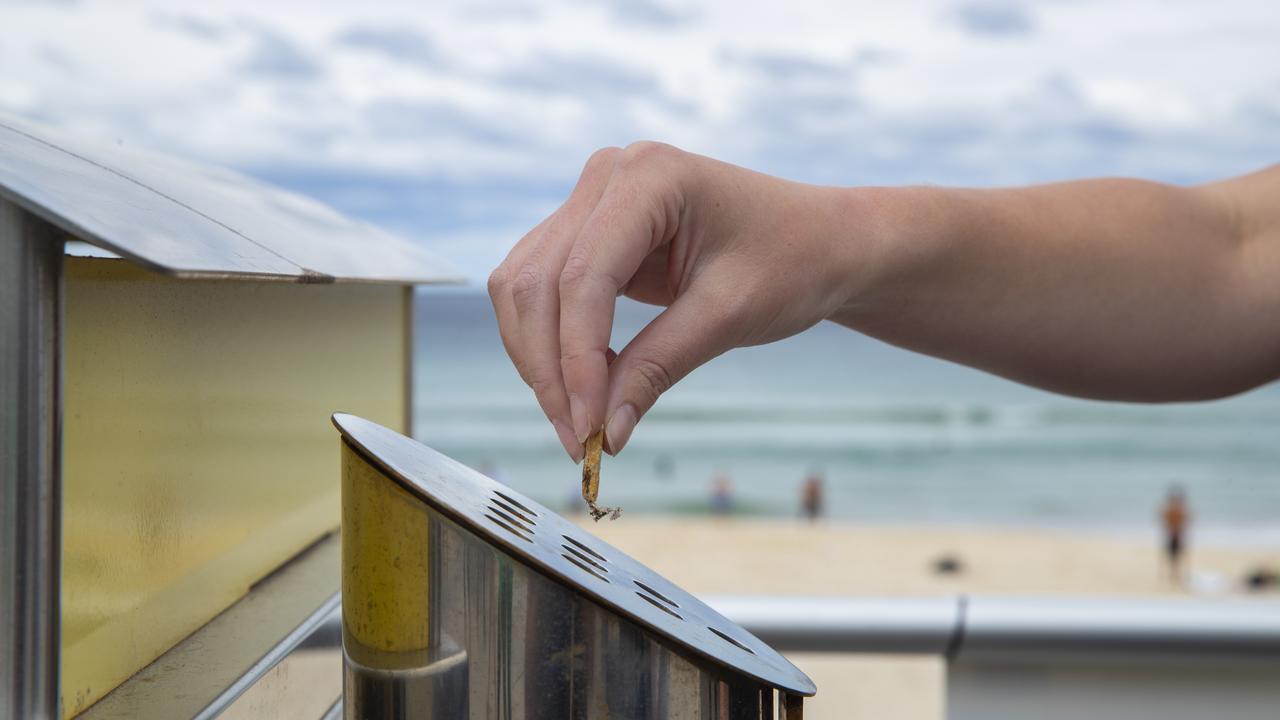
(1052, 658)
(967, 627)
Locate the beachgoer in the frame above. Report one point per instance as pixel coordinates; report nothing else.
(1174, 518)
(811, 497)
(1112, 289)
(721, 495)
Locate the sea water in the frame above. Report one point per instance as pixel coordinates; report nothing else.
(898, 437)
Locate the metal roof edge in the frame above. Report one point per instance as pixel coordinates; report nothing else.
(188, 220)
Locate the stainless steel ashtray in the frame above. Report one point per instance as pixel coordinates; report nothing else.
(464, 598)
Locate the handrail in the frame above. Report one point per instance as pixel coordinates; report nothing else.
(966, 628)
(1010, 628)
(910, 626)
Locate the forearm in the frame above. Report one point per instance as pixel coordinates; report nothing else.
(1116, 289)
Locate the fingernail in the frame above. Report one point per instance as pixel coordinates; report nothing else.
(571, 445)
(620, 426)
(581, 424)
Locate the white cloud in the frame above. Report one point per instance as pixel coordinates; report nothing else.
(994, 17)
(461, 123)
(400, 44)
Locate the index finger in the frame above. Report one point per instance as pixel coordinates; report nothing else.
(630, 221)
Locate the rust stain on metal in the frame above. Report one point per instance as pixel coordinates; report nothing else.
(591, 478)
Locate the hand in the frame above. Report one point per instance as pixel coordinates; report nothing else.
(738, 258)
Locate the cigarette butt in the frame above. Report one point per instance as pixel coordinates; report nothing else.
(591, 478)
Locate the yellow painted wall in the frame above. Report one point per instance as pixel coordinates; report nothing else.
(198, 454)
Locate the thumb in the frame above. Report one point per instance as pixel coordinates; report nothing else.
(687, 334)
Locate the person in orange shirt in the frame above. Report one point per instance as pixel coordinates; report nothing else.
(1175, 517)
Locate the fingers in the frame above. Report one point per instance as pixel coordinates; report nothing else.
(538, 348)
(631, 219)
(500, 293)
(527, 301)
(554, 295)
(692, 331)
(535, 296)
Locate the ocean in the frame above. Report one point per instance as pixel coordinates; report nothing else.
(898, 437)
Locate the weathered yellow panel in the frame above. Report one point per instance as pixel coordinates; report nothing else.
(385, 537)
(198, 454)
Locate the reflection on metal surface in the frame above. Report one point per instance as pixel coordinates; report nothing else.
(257, 659)
(191, 220)
(198, 457)
(1061, 658)
(520, 614)
(435, 688)
(79, 248)
(30, 452)
(1122, 691)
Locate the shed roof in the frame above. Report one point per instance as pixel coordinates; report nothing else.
(190, 220)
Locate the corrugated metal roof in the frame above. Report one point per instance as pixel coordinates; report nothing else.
(189, 220)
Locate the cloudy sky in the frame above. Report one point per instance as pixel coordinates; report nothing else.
(461, 124)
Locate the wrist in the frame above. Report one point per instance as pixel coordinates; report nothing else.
(890, 241)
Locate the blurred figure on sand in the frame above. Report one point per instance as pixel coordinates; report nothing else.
(811, 498)
(1174, 518)
(721, 495)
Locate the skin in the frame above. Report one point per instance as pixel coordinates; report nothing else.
(1112, 289)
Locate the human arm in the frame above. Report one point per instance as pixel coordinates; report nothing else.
(1113, 289)
(1117, 289)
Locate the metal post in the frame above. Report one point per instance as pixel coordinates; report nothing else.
(30, 463)
(791, 707)
(410, 352)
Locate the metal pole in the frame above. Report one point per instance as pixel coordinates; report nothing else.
(30, 463)
(901, 625)
(410, 353)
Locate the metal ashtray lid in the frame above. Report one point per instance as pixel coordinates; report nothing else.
(547, 542)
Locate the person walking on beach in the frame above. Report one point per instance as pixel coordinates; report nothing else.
(1115, 289)
(721, 495)
(811, 500)
(1174, 518)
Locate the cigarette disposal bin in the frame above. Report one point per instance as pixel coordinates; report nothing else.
(462, 598)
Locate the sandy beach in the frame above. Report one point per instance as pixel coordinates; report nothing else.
(787, 557)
